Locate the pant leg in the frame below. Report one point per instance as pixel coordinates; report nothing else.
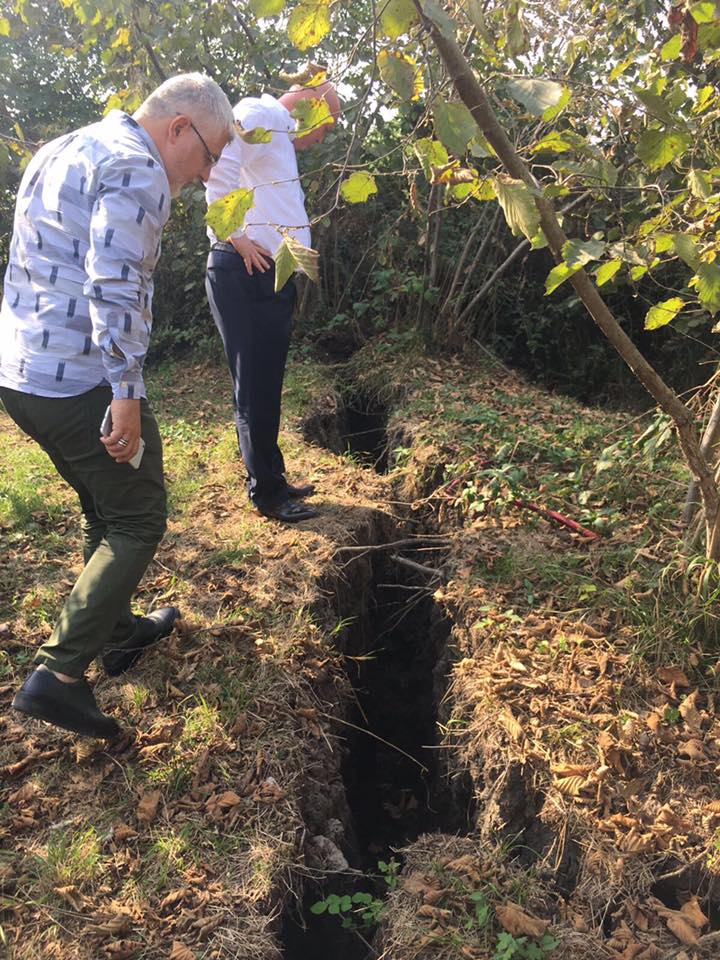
(255, 324)
(124, 527)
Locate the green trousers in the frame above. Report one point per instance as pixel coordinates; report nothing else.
(124, 515)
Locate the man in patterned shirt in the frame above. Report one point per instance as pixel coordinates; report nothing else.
(74, 327)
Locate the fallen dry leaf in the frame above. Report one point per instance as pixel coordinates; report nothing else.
(683, 930)
(518, 923)
(148, 806)
(121, 831)
(180, 952)
(673, 675)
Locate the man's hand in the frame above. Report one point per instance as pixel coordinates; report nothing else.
(254, 254)
(125, 427)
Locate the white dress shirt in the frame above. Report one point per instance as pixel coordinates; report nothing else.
(270, 169)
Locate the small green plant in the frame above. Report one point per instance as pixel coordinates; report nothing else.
(483, 911)
(390, 872)
(521, 948)
(356, 911)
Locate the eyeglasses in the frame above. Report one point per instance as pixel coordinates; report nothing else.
(212, 157)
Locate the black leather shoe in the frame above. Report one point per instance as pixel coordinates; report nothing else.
(289, 511)
(148, 630)
(304, 490)
(71, 706)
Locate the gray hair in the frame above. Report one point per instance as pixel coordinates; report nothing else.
(192, 94)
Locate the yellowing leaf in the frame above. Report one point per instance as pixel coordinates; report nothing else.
(358, 187)
(671, 49)
(707, 283)
(518, 206)
(256, 135)
(311, 113)
(226, 215)
(607, 271)
(309, 23)
(122, 38)
(397, 17)
(431, 153)
(558, 275)
(267, 8)
(700, 183)
(4, 27)
(292, 256)
(662, 313)
(401, 73)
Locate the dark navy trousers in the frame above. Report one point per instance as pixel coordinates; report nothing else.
(255, 324)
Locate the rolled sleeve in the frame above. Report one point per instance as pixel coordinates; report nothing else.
(130, 211)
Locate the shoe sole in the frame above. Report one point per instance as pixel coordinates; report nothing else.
(272, 516)
(45, 710)
(136, 653)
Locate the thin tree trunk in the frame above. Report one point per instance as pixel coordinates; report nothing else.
(473, 96)
(710, 438)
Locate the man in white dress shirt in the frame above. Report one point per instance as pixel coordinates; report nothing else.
(255, 322)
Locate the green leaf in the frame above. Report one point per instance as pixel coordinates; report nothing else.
(291, 256)
(637, 272)
(431, 153)
(620, 69)
(4, 27)
(256, 135)
(516, 39)
(576, 253)
(705, 96)
(558, 275)
(358, 187)
(319, 907)
(657, 106)
(346, 903)
(311, 113)
(703, 12)
(700, 183)
(662, 313)
(536, 95)
(361, 897)
(607, 271)
(397, 17)
(226, 215)
(685, 249)
(401, 73)
(309, 23)
(707, 283)
(671, 49)
(656, 148)
(555, 111)
(553, 142)
(518, 205)
(480, 147)
(433, 11)
(454, 125)
(267, 8)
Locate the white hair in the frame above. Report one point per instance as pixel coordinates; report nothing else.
(193, 94)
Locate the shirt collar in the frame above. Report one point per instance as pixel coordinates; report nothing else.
(125, 119)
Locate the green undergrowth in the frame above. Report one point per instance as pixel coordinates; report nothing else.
(480, 446)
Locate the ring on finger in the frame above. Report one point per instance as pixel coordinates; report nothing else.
(123, 442)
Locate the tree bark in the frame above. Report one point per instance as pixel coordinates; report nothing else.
(473, 96)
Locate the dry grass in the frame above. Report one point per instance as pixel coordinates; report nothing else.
(189, 829)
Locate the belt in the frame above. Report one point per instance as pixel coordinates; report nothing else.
(223, 245)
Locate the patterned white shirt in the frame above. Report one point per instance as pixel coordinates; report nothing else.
(270, 169)
(76, 310)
